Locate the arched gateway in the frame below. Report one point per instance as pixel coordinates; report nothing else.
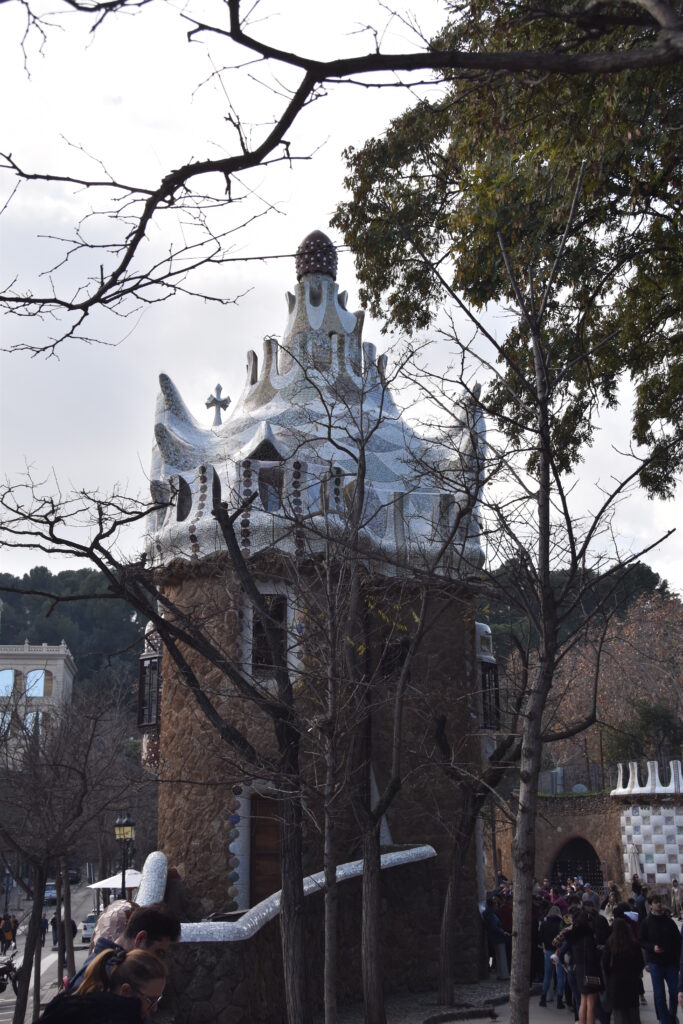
(577, 857)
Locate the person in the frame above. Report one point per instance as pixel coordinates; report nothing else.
(558, 900)
(589, 893)
(584, 950)
(661, 942)
(551, 926)
(675, 898)
(622, 965)
(53, 925)
(151, 928)
(5, 933)
(43, 928)
(119, 987)
(497, 937)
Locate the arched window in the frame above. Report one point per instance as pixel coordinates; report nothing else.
(35, 683)
(6, 682)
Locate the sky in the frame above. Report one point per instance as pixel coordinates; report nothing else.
(130, 97)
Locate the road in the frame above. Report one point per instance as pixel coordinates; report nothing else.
(81, 905)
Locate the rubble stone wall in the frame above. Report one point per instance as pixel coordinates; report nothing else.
(561, 818)
(238, 982)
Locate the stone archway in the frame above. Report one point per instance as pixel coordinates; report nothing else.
(577, 857)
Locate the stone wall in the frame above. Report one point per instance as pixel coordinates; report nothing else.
(593, 818)
(203, 802)
(238, 982)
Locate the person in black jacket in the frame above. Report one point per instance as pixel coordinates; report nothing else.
(622, 965)
(661, 941)
(119, 987)
(584, 950)
(551, 925)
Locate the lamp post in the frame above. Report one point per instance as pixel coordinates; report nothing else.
(124, 833)
(8, 876)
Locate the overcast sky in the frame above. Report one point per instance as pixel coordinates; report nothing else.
(129, 97)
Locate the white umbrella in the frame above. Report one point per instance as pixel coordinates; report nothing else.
(632, 861)
(132, 880)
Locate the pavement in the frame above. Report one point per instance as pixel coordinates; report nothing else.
(422, 1008)
(81, 905)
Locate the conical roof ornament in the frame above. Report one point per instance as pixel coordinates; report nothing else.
(316, 255)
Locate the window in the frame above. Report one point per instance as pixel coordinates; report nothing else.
(262, 658)
(490, 695)
(34, 723)
(35, 683)
(149, 691)
(6, 682)
(270, 481)
(5, 721)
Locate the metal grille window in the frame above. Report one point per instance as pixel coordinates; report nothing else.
(490, 694)
(149, 692)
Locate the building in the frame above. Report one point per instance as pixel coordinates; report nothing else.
(34, 679)
(319, 471)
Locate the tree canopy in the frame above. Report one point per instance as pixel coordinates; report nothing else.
(498, 155)
(100, 634)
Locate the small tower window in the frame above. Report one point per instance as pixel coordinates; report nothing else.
(262, 658)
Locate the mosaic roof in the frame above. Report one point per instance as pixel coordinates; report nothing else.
(315, 402)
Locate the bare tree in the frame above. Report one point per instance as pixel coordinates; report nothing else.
(551, 560)
(123, 273)
(56, 780)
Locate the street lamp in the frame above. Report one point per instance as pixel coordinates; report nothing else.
(124, 833)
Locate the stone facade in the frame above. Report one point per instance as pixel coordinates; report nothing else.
(595, 819)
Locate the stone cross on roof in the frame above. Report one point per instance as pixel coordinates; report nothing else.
(218, 403)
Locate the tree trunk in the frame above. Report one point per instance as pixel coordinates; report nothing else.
(292, 912)
(331, 909)
(68, 933)
(370, 945)
(524, 854)
(32, 940)
(447, 944)
(524, 843)
(36, 980)
(60, 932)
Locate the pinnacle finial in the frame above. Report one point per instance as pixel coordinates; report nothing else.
(316, 255)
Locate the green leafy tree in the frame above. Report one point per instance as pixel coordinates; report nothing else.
(652, 732)
(101, 635)
(497, 154)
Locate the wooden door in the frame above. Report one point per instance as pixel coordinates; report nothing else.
(266, 876)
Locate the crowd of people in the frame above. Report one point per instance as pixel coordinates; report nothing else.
(123, 979)
(589, 949)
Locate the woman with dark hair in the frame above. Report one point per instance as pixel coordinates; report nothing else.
(119, 987)
(622, 963)
(586, 958)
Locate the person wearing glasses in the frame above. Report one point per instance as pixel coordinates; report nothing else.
(119, 987)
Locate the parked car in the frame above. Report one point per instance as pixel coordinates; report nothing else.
(50, 895)
(88, 927)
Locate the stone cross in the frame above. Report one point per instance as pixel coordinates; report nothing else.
(218, 403)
